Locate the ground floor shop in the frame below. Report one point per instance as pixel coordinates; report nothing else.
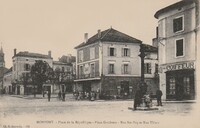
(177, 81)
(115, 86)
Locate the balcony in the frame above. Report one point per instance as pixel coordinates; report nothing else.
(86, 76)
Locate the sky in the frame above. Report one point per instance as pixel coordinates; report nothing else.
(59, 25)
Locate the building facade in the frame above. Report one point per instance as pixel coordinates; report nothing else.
(177, 36)
(108, 63)
(22, 63)
(64, 76)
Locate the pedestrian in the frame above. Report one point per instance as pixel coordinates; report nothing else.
(158, 96)
(63, 96)
(59, 95)
(137, 99)
(49, 95)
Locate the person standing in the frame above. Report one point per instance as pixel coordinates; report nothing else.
(63, 96)
(158, 96)
(49, 95)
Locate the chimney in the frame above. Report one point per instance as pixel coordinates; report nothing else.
(86, 37)
(15, 51)
(99, 33)
(49, 53)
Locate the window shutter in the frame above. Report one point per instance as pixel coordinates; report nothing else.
(122, 68)
(122, 52)
(24, 67)
(115, 52)
(108, 51)
(129, 69)
(108, 68)
(129, 52)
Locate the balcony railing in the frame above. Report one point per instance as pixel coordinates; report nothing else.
(86, 76)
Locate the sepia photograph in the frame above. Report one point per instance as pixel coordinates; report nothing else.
(99, 63)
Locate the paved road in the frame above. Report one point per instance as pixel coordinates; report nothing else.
(18, 108)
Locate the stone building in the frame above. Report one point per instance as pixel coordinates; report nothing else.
(22, 62)
(178, 33)
(108, 63)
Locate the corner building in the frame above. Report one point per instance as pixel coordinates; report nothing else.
(108, 63)
(177, 36)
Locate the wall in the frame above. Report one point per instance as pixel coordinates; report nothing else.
(134, 60)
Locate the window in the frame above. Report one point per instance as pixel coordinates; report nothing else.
(178, 24)
(92, 70)
(125, 52)
(186, 84)
(111, 69)
(179, 47)
(27, 67)
(125, 69)
(92, 53)
(156, 68)
(63, 69)
(147, 68)
(172, 86)
(81, 71)
(111, 51)
(80, 54)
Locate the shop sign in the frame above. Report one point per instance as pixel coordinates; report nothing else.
(180, 66)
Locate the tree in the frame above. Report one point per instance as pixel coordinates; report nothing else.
(40, 73)
(25, 79)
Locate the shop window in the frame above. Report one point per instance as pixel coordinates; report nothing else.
(147, 68)
(186, 84)
(126, 52)
(178, 24)
(172, 86)
(111, 69)
(179, 47)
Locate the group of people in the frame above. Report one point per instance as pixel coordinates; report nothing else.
(86, 95)
(146, 99)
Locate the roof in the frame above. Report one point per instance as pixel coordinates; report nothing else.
(110, 35)
(60, 63)
(67, 59)
(149, 48)
(8, 71)
(33, 55)
(173, 6)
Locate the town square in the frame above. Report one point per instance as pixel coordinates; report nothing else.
(99, 63)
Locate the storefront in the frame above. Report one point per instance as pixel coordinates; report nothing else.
(179, 81)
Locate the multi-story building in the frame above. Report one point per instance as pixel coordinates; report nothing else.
(64, 75)
(22, 63)
(108, 63)
(178, 26)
